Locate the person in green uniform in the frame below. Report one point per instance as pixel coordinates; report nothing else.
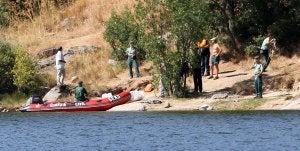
(80, 92)
(258, 69)
(132, 60)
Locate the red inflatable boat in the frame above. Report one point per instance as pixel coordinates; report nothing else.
(98, 104)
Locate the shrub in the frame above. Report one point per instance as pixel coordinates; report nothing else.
(7, 58)
(25, 72)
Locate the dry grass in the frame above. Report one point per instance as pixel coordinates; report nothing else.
(243, 104)
(92, 68)
(88, 18)
(85, 26)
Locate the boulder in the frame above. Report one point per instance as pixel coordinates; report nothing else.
(48, 52)
(46, 62)
(205, 107)
(220, 96)
(52, 95)
(57, 92)
(47, 56)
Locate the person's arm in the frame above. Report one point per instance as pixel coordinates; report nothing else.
(61, 58)
(220, 50)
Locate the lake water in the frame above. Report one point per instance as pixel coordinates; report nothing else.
(167, 131)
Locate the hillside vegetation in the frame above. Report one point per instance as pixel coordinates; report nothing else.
(164, 31)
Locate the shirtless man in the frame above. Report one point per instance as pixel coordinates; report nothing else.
(215, 58)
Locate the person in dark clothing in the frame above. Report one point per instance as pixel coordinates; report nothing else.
(196, 67)
(205, 54)
(80, 92)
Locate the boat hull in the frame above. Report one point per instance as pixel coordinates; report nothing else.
(100, 104)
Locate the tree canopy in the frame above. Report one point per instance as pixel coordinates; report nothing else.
(168, 29)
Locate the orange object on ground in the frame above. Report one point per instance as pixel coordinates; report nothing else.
(149, 88)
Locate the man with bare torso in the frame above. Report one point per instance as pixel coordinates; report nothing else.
(215, 58)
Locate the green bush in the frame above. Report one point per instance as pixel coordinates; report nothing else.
(7, 58)
(120, 30)
(3, 14)
(254, 45)
(25, 72)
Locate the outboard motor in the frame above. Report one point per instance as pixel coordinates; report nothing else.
(34, 99)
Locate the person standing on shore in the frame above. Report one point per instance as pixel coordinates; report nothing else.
(132, 60)
(258, 69)
(264, 50)
(205, 55)
(60, 67)
(196, 67)
(215, 59)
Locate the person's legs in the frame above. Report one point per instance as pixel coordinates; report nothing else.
(62, 78)
(259, 84)
(211, 71)
(206, 62)
(129, 62)
(136, 66)
(217, 68)
(199, 82)
(203, 64)
(256, 87)
(59, 77)
(195, 80)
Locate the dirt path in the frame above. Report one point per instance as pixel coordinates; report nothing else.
(230, 74)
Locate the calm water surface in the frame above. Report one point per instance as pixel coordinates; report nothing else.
(240, 131)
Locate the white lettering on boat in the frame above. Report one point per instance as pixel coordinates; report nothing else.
(79, 104)
(114, 98)
(58, 105)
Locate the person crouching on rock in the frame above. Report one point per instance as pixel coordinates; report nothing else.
(132, 60)
(80, 92)
(258, 69)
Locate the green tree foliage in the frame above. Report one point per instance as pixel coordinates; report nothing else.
(3, 14)
(121, 29)
(25, 72)
(168, 29)
(243, 20)
(7, 58)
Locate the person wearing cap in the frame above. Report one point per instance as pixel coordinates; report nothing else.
(215, 59)
(264, 50)
(80, 92)
(258, 69)
(60, 67)
(132, 60)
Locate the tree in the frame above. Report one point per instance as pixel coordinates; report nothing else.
(120, 30)
(25, 72)
(7, 58)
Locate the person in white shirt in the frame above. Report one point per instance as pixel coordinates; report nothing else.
(60, 67)
(264, 50)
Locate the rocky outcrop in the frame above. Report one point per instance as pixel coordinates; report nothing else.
(55, 93)
(47, 56)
